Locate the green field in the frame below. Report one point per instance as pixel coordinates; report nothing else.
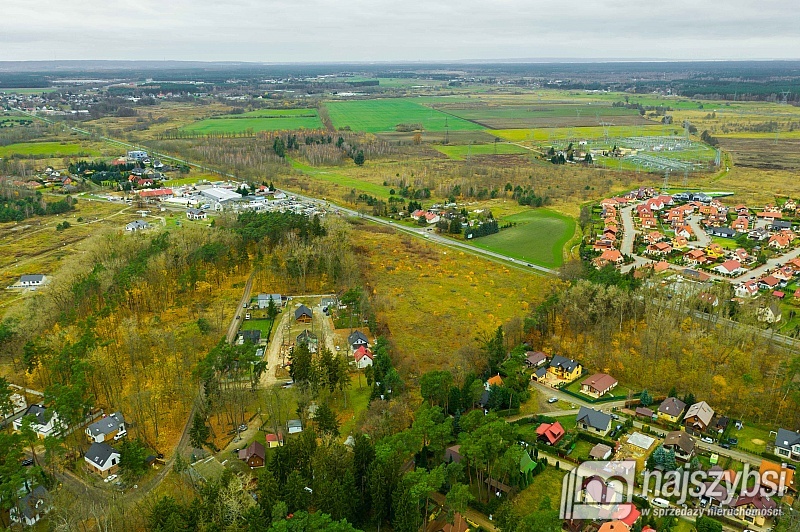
(581, 133)
(260, 120)
(375, 116)
(47, 149)
(501, 148)
(546, 115)
(343, 181)
(545, 484)
(539, 237)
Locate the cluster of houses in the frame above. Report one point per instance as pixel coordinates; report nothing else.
(652, 213)
(696, 420)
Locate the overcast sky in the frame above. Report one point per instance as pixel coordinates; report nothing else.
(392, 30)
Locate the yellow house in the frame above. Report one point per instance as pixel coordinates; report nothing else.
(715, 251)
(564, 368)
(273, 440)
(671, 409)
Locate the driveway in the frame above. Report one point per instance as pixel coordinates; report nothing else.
(629, 234)
(703, 240)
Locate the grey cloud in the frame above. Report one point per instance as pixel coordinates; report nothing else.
(327, 30)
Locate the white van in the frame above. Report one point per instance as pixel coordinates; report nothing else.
(661, 503)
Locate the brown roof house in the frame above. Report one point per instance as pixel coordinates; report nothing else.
(598, 384)
(699, 416)
(681, 443)
(254, 455)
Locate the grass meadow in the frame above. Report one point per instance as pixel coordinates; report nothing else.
(435, 300)
(47, 149)
(375, 116)
(539, 237)
(462, 152)
(260, 120)
(546, 115)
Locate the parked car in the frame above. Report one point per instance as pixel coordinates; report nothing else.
(725, 445)
(733, 441)
(119, 435)
(552, 400)
(706, 439)
(110, 478)
(661, 503)
(247, 316)
(27, 462)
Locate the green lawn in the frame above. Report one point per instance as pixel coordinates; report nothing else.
(619, 392)
(545, 484)
(357, 402)
(539, 237)
(51, 149)
(374, 116)
(501, 148)
(261, 120)
(263, 325)
(581, 450)
(568, 422)
(342, 180)
(752, 438)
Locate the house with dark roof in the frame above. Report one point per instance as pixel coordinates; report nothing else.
(564, 368)
(452, 454)
(671, 409)
(32, 280)
(106, 428)
(196, 214)
(787, 444)
(724, 232)
(593, 420)
(308, 338)
(357, 339)
(102, 459)
(539, 374)
(250, 335)
(770, 313)
(598, 384)
(755, 508)
(44, 420)
(31, 507)
(294, 426)
(254, 455)
(681, 443)
(137, 225)
(303, 314)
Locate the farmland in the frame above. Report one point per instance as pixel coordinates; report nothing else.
(383, 115)
(545, 115)
(461, 152)
(538, 237)
(260, 120)
(47, 149)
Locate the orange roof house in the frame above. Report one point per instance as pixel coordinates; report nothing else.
(551, 432)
